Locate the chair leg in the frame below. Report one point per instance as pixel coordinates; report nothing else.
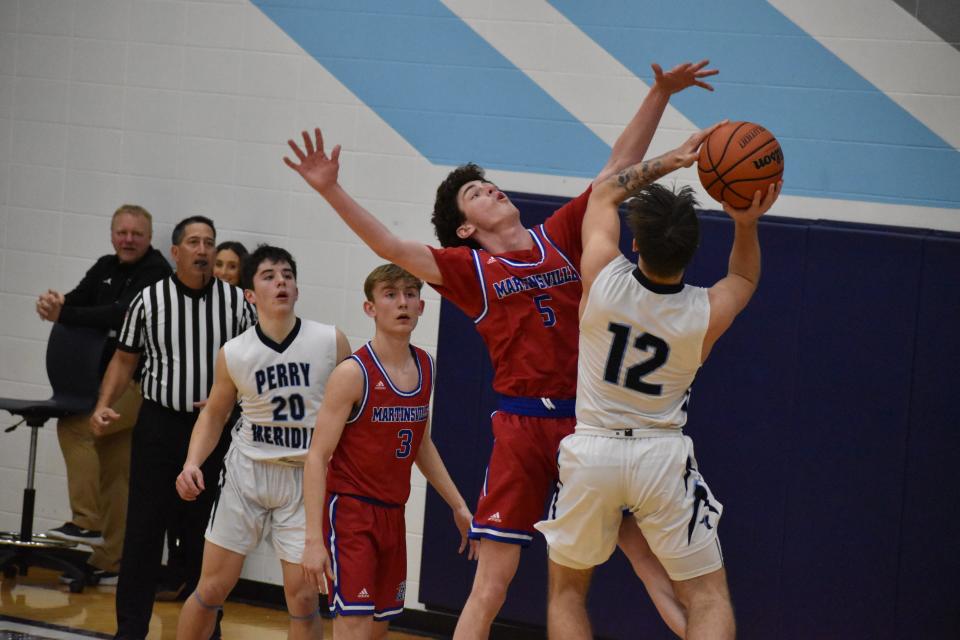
(20, 551)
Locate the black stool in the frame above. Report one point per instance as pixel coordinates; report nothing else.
(73, 367)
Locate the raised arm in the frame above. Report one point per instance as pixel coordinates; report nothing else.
(601, 223)
(432, 467)
(344, 389)
(631, 147)
(730, 295)
(321, 172)
(207, 429)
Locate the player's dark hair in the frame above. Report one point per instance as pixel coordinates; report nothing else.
(264, 253)
(665, 228)
(236, 247)
(181, 227)
(447, 216)
(389, 274)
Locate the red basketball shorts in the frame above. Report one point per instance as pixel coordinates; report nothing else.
(368, 552)
(521, 475)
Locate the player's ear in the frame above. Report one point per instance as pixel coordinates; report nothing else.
(465, 230)
(369, 309)
(633, 243)
(420, 308)
(174, 252)
(250, 296)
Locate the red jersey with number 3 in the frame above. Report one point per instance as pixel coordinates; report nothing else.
(525, 304)
(383, 434)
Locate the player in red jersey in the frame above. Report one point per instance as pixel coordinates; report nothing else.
(372, 427)
(522, 289)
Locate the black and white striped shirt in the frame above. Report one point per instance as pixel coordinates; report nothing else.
(179, 331)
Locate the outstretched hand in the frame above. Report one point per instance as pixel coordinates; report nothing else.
(682, 76)
(688, 152)
(315, 167)
(760, 205)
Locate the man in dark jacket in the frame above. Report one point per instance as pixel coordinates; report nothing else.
(98, 468)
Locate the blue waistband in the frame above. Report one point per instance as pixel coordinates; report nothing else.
(539, 407)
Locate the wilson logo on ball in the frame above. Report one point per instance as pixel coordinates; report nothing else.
(776, 156)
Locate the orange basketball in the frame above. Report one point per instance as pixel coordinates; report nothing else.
(738, 159)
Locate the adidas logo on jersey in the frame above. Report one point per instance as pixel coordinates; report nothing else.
(363, 593)
(380, 386)
(491, 260)
(495, 517)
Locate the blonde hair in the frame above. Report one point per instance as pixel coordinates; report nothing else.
(134, 210)
(388, 274)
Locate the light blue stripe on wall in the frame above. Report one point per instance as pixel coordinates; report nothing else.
(446, 90)
(842, 137)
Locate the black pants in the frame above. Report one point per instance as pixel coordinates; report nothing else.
(160, 440)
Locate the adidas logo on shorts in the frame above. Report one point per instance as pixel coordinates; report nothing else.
(380, 386)
(495, 517)
(491, 260)
(363, 593)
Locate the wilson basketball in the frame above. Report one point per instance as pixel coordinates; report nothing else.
(738, 159)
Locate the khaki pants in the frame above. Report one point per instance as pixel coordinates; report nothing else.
(98, 476)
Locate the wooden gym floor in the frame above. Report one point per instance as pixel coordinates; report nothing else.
(40, 597)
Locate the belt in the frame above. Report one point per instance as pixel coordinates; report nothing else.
(538, 407)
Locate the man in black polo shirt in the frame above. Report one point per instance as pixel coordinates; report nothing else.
(174, 328)
(98, 468)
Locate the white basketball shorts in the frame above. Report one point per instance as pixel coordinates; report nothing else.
(655, 479)
(253, 494)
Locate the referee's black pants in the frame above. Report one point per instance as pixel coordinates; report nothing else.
(159, 449)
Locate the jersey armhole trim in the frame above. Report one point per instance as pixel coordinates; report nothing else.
(483, 286)
(546, 236)
(357, 410)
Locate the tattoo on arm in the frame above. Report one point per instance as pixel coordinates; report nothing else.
(634, 178)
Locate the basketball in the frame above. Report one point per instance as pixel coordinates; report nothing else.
(738, 159)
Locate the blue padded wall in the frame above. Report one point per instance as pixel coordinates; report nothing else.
(823, 421)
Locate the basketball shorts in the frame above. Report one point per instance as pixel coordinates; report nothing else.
(252, 494)
(368, 552)
(520, 477)
(656, 479)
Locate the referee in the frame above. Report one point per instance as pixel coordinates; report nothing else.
(176, 327)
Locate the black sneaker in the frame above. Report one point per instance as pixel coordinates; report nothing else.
(73, 533)
(105, 578)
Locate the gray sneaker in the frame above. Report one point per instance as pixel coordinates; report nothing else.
(73, 533)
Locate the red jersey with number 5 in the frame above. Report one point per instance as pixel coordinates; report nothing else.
(525, 304)
(382, 436)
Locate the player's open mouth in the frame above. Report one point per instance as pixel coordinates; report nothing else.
(403, 317)
(201, 263)
(501, 195)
